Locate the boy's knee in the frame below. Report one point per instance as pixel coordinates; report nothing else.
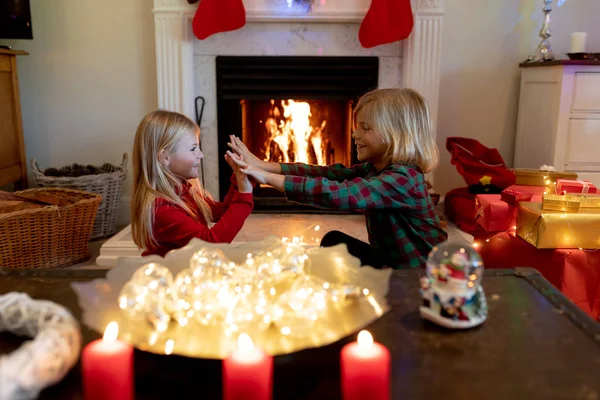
(332, 238)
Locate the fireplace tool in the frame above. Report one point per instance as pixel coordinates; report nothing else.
(199, 112)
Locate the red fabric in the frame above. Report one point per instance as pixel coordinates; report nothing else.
(214, 16)
(474, 161)
(574, 186)
(460, 208)
(576, 273)
(386, 21)
(173, 227)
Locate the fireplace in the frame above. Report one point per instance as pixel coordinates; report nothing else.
(185, 66)
(290, 109)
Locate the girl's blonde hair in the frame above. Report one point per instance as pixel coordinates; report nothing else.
(401, 118)
(160, 130)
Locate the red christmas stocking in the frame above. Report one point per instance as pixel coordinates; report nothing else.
(386, 21)
(214, 16)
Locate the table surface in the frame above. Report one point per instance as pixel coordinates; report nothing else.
(534, 345)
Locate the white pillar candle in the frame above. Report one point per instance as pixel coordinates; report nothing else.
(578, 42)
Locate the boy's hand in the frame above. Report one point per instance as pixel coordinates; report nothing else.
(240, 148)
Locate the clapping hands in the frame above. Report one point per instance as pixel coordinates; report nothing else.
(235, 161)
(258, 174)
(238, 147)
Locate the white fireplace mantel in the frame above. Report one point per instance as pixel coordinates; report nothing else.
(175, 40)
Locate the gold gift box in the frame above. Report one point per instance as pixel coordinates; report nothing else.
(555, 229)
(536, 177)
(555, 202)
(587, 200)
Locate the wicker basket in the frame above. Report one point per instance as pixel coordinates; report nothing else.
(108, 185)
(51, 236)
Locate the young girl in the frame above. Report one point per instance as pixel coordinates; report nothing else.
(395, 142)
(169, 207)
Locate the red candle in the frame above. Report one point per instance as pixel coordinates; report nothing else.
(365, 369)
(247, 373)
(107, 367)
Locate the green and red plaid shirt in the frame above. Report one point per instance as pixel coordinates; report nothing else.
(401, 218)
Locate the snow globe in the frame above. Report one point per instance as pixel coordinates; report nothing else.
(451, 291)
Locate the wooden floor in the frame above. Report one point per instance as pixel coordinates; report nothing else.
(311, 227)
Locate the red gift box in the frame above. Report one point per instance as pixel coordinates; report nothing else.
(576, 273)
(536, 191)
(515, 196)
(493, 214)
(574, 186)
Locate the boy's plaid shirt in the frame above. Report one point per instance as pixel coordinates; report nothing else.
(401, 219)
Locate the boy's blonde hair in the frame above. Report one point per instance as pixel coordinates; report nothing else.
(401, 118)
(159, 130)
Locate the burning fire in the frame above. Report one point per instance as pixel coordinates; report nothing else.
(291, 136)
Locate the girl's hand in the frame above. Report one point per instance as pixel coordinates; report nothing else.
(240, 148)
(257, 174)
(243, 182)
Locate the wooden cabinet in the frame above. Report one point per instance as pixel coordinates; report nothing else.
(13, 165)
(559, 117)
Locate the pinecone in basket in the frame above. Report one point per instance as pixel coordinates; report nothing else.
(108, 168)
(76, 170)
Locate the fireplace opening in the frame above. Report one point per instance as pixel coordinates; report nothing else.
(290, 109)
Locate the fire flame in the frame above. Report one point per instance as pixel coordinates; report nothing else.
(292, 138)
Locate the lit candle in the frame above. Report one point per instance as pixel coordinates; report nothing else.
(365, 369)
(247, 373)
(107, 367)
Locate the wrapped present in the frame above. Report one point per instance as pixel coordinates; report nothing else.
(536, 177)
(493, 214)
(555, 202)
(537, 191)
(588, 200)
(547, 229)
(564, 186)
(576, 273)
(512, 196)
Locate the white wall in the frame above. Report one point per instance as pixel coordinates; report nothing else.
(91, 74)
(88, 80)
(483, 43)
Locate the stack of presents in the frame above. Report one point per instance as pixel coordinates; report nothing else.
(544, 219)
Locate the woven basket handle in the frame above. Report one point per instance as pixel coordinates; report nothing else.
(124, 163)
(36, 169)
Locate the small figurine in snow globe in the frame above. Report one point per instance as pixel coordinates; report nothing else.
(452, 292)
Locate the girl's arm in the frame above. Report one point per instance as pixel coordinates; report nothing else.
(218, 208)
(236, 180)
(173, 225)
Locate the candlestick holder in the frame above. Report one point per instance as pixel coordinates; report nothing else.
(544, 50)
